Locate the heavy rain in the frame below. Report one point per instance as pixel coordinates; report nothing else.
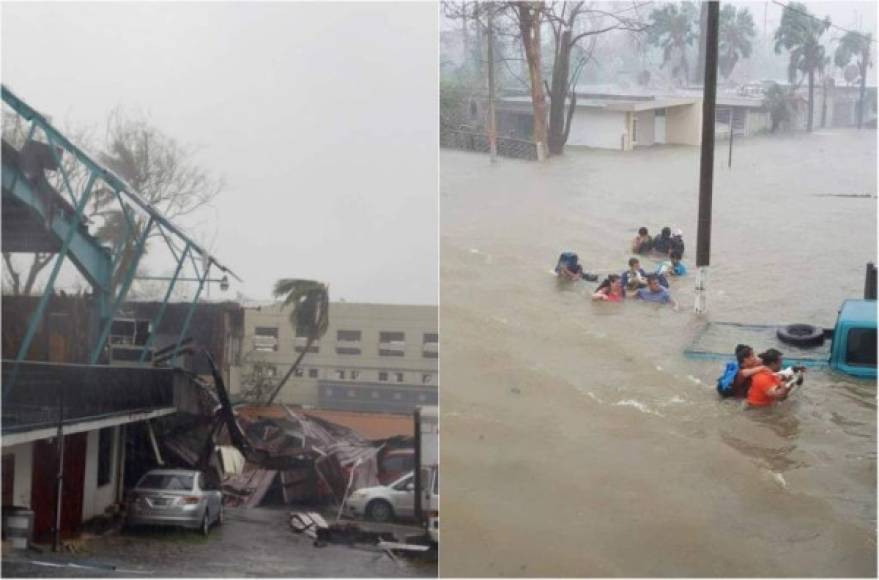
(578, 437)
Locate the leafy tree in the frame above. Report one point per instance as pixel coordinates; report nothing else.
(734, 37)
(779, 102)
(858, 46)
(800, 34)
(309, 317)
(673, 28)
(157, 167)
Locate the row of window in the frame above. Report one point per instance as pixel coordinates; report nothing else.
(384, 336)
(364, 375)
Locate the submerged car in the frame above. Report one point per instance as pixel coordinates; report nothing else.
(175, 497)
(384, 503)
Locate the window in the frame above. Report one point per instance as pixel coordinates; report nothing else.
(405, 483)
(167, 482)
(399, 377)
(312, 373)
(431, 337)
(860, 347)
(348, 335)
(340, 374)
(355, 375)
(386, 336)
(382, 376)
(298, 373)
(426, 378)
(660, 112)
(350, 340)
(431, 345)
(105, 455)
(265, 338)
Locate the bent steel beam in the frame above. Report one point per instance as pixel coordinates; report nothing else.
(86, 253)
(154, 328)
(37, 316)
(123, 291)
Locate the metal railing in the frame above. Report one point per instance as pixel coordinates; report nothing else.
(47, 392)
(470, 141)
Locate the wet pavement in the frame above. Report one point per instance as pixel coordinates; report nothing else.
(251, 543)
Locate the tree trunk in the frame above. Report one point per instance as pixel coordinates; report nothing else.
(492, 115)
(823, 101)
(13, 275)
(529, 27)
(291, 370)
(811, 98)
(558, 91)
(862, 96)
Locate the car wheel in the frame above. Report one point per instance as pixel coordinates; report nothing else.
(205, 525)
(379, 510)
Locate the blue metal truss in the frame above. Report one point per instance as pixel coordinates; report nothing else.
(97, 263)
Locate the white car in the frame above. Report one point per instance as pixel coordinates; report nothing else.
(383, 503)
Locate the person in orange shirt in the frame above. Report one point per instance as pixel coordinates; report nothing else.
(766, 386)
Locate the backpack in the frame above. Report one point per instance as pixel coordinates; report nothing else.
(725, 381)
(566, 258)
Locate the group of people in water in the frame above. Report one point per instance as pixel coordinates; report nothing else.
(635, 282)
(759, 379)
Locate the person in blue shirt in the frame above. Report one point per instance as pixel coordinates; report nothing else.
(655, 292)
(672, 267)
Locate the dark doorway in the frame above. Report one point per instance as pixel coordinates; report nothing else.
(8, 479)
(43, 486)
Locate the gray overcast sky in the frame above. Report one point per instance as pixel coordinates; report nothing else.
(321, 117)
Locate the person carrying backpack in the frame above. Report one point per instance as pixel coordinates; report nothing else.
(736, 378)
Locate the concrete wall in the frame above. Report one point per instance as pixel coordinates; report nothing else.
(645, 136)
(24, 467)
(597, 128)
(97, 499)
(683, 125)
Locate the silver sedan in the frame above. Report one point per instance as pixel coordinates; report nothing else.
(175, 497)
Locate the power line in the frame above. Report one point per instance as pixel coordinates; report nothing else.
(812, 16)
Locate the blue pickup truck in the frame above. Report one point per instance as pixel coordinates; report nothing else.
(851, 348)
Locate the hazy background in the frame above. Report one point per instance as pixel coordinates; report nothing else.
(320, 117)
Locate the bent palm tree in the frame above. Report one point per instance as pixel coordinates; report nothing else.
(309, 317)
(855, 44)
(673, 30)
(799, 33)
(734, 41)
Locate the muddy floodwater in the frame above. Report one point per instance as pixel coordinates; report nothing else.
(576, 437)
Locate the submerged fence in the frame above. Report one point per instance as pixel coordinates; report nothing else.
(469, 141)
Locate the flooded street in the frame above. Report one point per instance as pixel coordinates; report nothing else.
(578, 440)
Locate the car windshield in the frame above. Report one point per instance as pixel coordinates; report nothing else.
(402, 483)
(166, 481)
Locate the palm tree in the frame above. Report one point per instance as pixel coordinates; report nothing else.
(735, 35)
(855, 44)
(799, 33)
(673, 28)
(309, 317)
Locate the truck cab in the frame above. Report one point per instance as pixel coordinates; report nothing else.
(854, 339)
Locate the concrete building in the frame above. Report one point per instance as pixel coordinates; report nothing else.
(624, 121)
(373, 357)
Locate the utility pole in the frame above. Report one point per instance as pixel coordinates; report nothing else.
(706, 163)
(492, 117)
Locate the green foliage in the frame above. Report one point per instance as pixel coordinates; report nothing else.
(453, 101)
(799, 33)
(673, 28)
(779, 102)
(854, 45)
(736, 34)
(311, 304)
